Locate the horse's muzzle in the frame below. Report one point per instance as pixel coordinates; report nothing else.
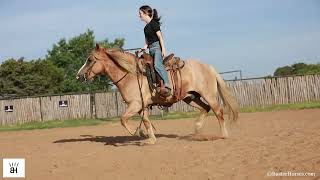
(81, 77)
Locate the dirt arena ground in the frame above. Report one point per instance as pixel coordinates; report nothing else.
(261, 143)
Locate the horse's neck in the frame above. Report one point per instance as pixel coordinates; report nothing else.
(116, 74)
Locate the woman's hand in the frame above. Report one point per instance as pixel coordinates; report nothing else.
(141, 50)
(144, 47)
(164, 53)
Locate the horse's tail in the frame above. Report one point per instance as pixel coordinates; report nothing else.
(228, 99)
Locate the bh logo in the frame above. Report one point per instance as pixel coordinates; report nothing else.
(13, 168)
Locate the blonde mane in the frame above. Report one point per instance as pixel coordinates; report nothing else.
(123, 59)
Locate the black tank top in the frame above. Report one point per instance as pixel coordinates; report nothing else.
(150, 31)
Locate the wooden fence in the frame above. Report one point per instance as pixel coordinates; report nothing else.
(255, 92)
(79, 106)
(276, 90)
(23, 110)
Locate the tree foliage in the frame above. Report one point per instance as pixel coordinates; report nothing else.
(298, 69)
(56, 72)
(29, 78)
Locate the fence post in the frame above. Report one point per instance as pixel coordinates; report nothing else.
(93, 106)
(288, 90)
(40, 107)
(117, 106)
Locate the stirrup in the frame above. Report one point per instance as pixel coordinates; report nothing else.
(165, 92)
(169, 91)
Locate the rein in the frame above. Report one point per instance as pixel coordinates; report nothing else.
(115, 83)
(124, 50)
(142, 101)
(90, 67)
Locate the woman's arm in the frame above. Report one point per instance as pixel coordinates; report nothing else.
(145, 45)
(163, 49)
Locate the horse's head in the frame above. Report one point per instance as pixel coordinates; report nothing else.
(93, 65)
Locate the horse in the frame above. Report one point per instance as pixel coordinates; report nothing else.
(200, 87)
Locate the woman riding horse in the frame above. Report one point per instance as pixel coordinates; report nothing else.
(154, 41)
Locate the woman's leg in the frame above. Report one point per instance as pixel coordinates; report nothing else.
(158, 63)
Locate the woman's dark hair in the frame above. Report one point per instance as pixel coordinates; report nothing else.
(151, 13)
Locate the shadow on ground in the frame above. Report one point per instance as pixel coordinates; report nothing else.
(113, 140)
(134, 140)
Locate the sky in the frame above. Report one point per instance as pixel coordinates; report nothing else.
(254, 36)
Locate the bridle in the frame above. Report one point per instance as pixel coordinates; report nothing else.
(90, 67)
(89, 70)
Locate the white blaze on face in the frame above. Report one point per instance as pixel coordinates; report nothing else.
(81, 68)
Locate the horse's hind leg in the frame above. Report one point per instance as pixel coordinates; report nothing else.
(218, 111)
(204, 109)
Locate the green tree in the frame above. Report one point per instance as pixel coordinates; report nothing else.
(25, 78)
(116, 43)
(56, 73)
(298, 69)
(284, 71)
(71, 55)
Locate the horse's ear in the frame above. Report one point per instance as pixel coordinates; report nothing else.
(97, 46)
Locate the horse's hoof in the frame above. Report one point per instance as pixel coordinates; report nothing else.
(148, 142)
(142, 133)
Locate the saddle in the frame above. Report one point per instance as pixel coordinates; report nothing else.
(171, 64)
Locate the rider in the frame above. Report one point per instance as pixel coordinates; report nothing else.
(154, 41)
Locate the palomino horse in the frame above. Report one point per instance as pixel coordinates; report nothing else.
(198, 80)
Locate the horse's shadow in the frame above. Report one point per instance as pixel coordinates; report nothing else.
(114, 140)
(131, 140)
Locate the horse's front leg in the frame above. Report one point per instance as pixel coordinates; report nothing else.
(132, 109)
(147, 123)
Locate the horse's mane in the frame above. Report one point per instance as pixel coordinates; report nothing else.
(123, 59)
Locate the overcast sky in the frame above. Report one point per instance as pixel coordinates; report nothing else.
(255, 36)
